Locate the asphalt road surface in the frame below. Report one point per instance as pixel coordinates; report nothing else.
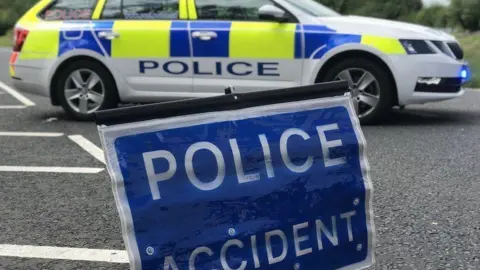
(425, 170)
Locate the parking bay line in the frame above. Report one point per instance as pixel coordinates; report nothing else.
(8, 107)
(30, 134)
(24, 100)
(5, 49)
(64, 253)
(49, 169)
(88, 146)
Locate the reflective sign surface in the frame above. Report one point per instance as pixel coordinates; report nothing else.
(273, 187)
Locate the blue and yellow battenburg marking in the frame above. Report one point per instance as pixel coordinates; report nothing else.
(164, 39)
(81, 35)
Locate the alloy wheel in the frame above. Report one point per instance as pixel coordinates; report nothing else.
(84, 91)
(364, 87)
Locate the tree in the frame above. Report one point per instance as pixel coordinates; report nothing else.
(344, 6)
(466, 13)
(434, 16)
(388, 9)
(10, 12)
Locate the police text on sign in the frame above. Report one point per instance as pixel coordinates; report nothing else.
(154, 177)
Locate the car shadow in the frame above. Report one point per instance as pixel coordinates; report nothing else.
(407, 117)
(57, 114)
(415, 117)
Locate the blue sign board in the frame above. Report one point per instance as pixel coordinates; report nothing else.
(282, 186)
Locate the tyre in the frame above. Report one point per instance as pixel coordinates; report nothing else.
(371, 86)
(85, 87)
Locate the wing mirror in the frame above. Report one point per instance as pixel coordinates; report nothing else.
(272, 13)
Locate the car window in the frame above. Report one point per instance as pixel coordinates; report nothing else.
(69, 10)
(141, 9)
(238, 10)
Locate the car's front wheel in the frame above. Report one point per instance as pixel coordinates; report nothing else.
(85, 87)
(370, 85)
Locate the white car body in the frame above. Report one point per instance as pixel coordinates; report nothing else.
(36, 74)
(406, 69)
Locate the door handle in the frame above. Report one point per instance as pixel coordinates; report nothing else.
(108, 35)
(207, 35)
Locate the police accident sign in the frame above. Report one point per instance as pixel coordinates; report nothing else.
(283, 186)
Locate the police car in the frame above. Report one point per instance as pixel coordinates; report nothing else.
(89, 55)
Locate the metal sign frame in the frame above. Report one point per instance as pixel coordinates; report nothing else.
(226, 102)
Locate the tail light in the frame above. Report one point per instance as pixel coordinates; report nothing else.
(19, 37)
(11, 63)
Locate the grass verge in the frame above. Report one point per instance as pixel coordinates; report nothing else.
(470, 44)
(6, 40)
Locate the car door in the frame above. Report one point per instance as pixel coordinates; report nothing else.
(233, 47)
(149, 46)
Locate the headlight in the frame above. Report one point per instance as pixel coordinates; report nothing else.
(416, 46)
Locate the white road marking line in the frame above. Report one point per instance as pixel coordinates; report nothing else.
(88, 146)
(30, 134)
(64, 253)
(17, 95)
(49, 169)
(12, 107)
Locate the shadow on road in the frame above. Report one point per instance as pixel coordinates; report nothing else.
(416, 117)
(407, 117)
(58, 114)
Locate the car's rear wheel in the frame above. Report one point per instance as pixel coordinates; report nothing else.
(370, 85)
(85, 87)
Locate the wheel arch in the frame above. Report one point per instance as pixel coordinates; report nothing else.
(68, 60)
(358, 53)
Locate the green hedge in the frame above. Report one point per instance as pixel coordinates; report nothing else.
(434, 16)
(10, 12)
(464, 14)
(470, 43)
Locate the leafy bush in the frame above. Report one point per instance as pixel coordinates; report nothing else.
(388, 9)
(344, 6)
(437, 16)
(5, 22)
(466, 13)
(10, 12)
